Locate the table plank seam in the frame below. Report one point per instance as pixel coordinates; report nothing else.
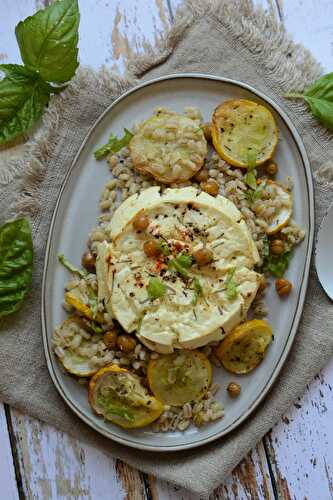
(14, 448)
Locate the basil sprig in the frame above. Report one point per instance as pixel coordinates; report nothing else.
(16, 259)
(48, 46)
(319, 97)
(114, 144)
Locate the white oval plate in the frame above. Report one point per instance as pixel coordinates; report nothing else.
(75, 215)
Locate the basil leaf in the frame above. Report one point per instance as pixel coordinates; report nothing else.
(16, 258)
(250, 180)
(155, 289)
(23, 97)
(48, 41)
(65, 262)
(320, 99)
(251, 160)
(113, 145)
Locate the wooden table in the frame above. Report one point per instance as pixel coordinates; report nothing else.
(295, 459)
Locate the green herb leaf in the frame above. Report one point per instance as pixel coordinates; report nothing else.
(255, 195)
(177, 266)
(265, 251)
(111, 409)
(93, 302)
(198, 291)
(23, 97)
(277, 264)
(48, 41)
(163, 246)
(251, 160)
(155, 289)
(185, 260)
(65, 262)
(114, 145)
(320, 99)
(230, 285)
(94, 326)
(251, 180)
(16, 260)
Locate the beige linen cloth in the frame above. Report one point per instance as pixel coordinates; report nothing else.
(227, 38)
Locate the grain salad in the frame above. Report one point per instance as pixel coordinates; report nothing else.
(190, 233)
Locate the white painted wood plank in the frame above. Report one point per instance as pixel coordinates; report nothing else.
(301, 445)
(110, 31)
(56, 466)
(8, 486)
(310, 22)
(250, 480)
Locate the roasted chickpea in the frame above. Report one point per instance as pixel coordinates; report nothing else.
(283, 287)
(201, 176)
(207, 130)
(211, 187)
(151, 248)
(234, 389)
(140, 222)
(272, 168)
(110, 339)
(88, 261)
(203, 256)
(276, 247)
(126, 343)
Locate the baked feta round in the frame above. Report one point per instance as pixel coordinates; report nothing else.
(197, 283)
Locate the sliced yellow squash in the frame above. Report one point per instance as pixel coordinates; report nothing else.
(243, 128)
(244, 348)
(75, 299)
(178, 378)
(282, 214)
(118, 396)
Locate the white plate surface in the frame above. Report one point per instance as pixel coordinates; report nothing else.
(75, 215)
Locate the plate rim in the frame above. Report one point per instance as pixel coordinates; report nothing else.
(303, 289)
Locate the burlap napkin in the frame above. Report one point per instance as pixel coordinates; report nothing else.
(224, 38)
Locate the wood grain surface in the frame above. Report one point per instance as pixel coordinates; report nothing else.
(294, 461)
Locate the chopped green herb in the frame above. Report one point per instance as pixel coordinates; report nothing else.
(254, 195)
(80, 272)
(251, 180)
(93, 302)
(265, 250)
(114, 144)
(230, 285)
(111, 409)
(176, 266)
(251, 160)
(155, 289)
(185, 260)
(277, 264)
(94, 326)
(198, 291)
(163, 246)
